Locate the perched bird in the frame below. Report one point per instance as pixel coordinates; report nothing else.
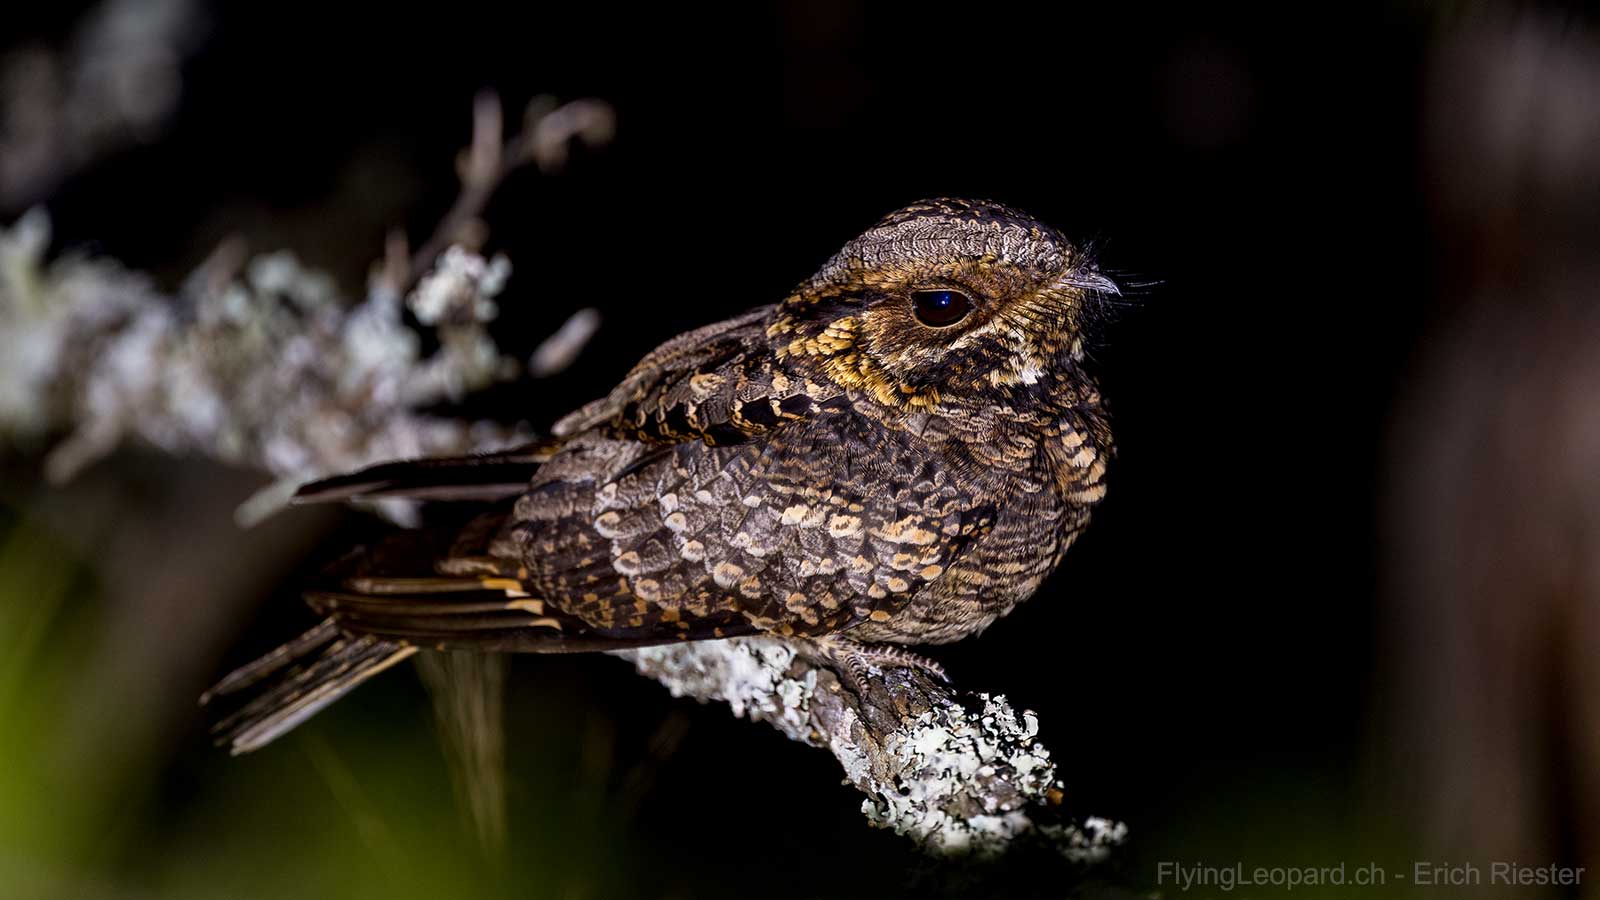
(896, 454)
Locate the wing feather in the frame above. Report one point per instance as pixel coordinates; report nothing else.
(478, 476)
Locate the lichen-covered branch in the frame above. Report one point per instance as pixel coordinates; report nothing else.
(270, 369)
(955, 772)
(260, 362)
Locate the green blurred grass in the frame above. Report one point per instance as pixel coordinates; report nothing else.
(358, 804)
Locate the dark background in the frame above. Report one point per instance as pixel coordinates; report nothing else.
(1208, 662)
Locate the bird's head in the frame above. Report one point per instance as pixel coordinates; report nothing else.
(943, 301)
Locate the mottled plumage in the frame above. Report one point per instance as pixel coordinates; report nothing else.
(899, 452)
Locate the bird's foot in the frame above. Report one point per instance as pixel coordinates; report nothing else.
(858, 660)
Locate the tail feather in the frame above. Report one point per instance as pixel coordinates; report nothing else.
(253, 673)
(301, 691)
(409, 578)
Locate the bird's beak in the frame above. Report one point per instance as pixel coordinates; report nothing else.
(1090, 281)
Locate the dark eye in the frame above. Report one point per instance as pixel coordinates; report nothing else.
(940, 308)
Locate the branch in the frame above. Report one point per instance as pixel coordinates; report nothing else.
(485, 164)
(956, 773)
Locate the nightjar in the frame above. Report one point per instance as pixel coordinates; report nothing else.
(897, 453)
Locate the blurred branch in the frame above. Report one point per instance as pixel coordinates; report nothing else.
(469, 692)
(115, 84)
(1495, 496)
(547, 132)
(269, 370)
(259, 362)
(558, 351)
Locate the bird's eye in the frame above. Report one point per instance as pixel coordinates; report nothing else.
(939, 309)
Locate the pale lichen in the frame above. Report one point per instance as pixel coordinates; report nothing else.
(262, 362)
(268, 368)
(752, 676)
(956, 773)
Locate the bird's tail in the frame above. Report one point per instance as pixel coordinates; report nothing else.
(427, 590)
(438, 588)
(300, 678)
(394, 582)
(427, 587)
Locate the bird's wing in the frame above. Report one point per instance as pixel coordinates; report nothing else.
(477, 476)
(816, 527)
(712, 493)
(444, 589)
(719, 385)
